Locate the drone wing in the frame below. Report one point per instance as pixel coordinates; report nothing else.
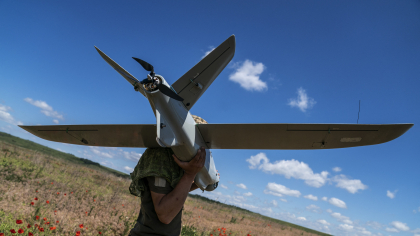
(297, 136)
(196, 81)
(98, 135)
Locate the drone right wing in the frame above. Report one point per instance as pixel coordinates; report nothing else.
(297, 136)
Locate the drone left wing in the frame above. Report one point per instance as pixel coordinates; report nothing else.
(98, 135)
(297, 136)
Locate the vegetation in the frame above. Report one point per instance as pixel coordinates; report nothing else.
(47, 192)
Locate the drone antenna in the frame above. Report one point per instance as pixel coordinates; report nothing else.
(358, 114)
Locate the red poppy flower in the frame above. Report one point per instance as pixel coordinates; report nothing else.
(47, 223)
(32, 203)
(36, 190)
(41, 229)
(29, 234)
(81, 226)
(48, 201)
(29, 226)
(45, 219)
(55, 210)
(36, 199)
(1, 234)
(65, 194)
(123, 204)
(77, 233)
(86, 190)
(21, 231)
(52, 183)
(94, 200)
(52, 228)
(57, 222)
(71, 192)
(12, 231)
(19, 222)
(37, 217)
(36, 225)
(58, 193)
(98, 233)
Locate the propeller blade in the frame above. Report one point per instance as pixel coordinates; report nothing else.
(145, 65)
(168, 92)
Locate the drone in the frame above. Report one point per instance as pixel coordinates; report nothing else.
(176, 128)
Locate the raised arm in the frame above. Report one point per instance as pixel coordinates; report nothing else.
(167, 206)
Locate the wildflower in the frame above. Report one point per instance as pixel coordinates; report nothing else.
(29, 226)
(52, 228)
(47, 223)
(123, 204)
(65, 194)
(57, 222)
(29, 234)
(52, 183)
(94, 200)
(36, 190)
(71, 192)
(19, 222)
(1, 234)
(41, 229)
(37, 217)
(98, 233)
(58, 193)
(81, 226)
(36, 199)
(12, 231)
(45, 219)
(32, 203)
(48, 202)
(36, 225)
(77, 233)
(86, 191)
(21, 231)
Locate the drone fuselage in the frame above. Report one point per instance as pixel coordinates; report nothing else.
(176, 129)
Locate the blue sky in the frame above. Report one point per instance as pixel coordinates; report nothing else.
(295, 62)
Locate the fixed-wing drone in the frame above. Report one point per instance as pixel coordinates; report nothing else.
(176, 128)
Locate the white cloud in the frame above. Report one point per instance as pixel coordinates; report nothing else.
(324, 199)
(341, 218)
(329, 211)
(346, 227)
(97, 151)
(241, 186)
(374, 224)
(280, 190)
(391, 194)
(392, 230)
(129, 169)
(337, 202)
(248, 76)
(288, 168)
(211, 48)
(337, 169)
(324, 222)
(416, 231)
(351, 185)
(301, 218)
(7, 117)
(223, 186)
(45, 108)
(400, 226)
(303, 102)
(311, 197)
(132, 156)
(274, 202)
(56, 121)
(283, 200)
(247, 194)
(314, 208)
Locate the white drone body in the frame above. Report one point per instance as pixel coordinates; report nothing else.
(175, 127)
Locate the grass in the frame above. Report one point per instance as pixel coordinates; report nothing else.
(63, 194)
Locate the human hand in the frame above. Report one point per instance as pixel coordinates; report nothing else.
(195, 165)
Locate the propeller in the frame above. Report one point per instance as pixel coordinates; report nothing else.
(163, 88)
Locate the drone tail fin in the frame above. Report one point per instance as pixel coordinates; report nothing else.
(196, 81)
(127, 76)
